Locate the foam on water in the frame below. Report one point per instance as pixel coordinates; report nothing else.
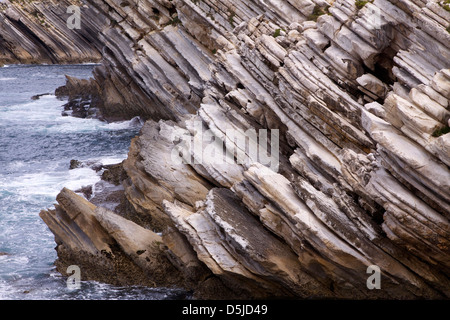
(48, 183)
(44, 115)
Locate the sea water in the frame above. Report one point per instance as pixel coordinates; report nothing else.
(36, 146)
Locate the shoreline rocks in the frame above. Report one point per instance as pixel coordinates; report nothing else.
(95, 245)
(38, 96)
(363, 176)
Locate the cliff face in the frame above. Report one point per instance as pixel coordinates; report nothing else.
(36, 31)
(360, 95)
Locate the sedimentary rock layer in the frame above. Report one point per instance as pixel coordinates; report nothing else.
(359, 94)
(38, 32)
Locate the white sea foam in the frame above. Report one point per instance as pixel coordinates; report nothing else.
(47, 108)
(16, 165)
(49, 183)
(121, 125)
(79, 178)
(72, 124)
(45, 115)
(113, 160)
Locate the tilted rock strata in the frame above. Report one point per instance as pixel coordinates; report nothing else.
(37, 32)
(359, 96)
(108, 247)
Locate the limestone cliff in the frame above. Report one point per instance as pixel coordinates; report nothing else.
(359, 92)
(36, 31)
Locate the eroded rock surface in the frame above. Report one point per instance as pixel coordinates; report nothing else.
(360, 97)
(36, 31)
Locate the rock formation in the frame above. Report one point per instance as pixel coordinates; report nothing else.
(359, 93)
(37, 32)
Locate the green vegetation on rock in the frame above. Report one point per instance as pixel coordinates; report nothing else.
(360, 3)
(276, 33)
(441, 131)
(317, 12)
(174, 21)
(231, 17)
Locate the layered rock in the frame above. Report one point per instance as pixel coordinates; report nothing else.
(106, 246)
(37, 32)
(360, 98)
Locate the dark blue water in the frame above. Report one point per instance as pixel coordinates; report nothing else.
(36, 146)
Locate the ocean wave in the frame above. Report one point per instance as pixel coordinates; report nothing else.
(122, 125)
(48, 184)
(16, 165)
(113, 159)
(45, 115)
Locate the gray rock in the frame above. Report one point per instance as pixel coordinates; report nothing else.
(359, 98)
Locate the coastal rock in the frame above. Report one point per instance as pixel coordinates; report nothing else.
(83, 96)
(141, 245)
(37, 32)
(246, 248)
(106, 246)
(114, 173)
(359, 94)
(155, 176)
